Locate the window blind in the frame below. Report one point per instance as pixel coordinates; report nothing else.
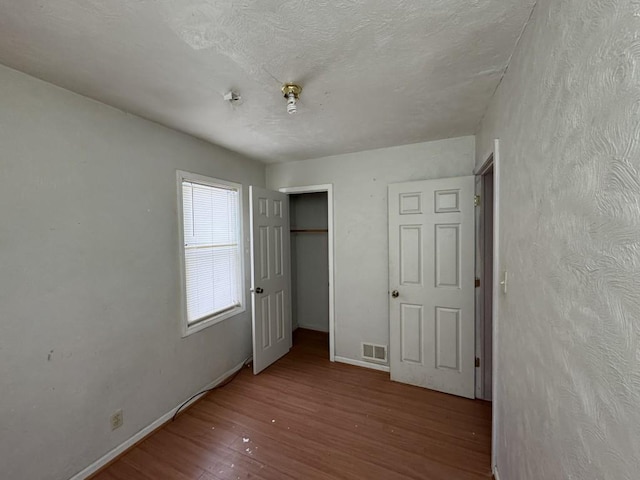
(211, 249)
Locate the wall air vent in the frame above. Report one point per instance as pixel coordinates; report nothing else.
(374, 353)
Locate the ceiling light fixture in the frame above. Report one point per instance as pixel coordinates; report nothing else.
(291, 92)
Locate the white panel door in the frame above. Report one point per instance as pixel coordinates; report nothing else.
(431, 269)
(270, 276)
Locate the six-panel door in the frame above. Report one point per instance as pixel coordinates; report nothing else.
(431, 265)
(270, 257)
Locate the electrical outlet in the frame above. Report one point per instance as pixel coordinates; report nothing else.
(117, 419)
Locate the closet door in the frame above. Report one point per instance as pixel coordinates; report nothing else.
(270, 276)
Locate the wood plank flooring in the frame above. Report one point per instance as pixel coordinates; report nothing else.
(307, 418)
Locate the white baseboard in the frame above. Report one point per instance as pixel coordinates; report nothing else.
(312, 328)
(102, 461)
(495, 473)
(360, 363)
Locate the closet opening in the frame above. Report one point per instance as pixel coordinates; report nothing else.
(310, 279)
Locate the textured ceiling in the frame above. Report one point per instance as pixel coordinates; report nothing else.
(375, 73)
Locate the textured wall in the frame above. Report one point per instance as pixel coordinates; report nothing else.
(89, 277)
(360, 220)
(568, 116)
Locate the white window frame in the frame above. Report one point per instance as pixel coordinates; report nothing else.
(213, 319)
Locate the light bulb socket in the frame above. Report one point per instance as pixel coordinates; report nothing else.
(291, 92)
(291, 88)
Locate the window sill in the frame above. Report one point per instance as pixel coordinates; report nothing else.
(210, 321)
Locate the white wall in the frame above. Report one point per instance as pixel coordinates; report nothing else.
(310, 261)
(89, 279)
(568, 117)
(360, 218)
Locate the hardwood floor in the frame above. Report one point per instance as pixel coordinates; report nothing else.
(307, 418)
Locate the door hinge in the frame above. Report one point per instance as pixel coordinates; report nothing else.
(477, 282)
(477, 362)
(476, 200)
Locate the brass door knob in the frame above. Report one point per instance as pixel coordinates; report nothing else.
(395, 294)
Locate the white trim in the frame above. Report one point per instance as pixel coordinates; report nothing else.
(313, 329)
(488, 163)
(480, 296)
(187, 329)
(330, 237)
(495, 303)
(478, 303)
(112, 454)
(360, 363)
(496, 476)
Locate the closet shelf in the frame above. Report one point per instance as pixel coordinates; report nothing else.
(309, 230)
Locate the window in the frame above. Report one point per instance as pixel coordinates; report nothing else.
(211, 225)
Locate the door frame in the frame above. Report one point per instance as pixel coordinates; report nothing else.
(328, 188)
(493, 158)
(481, 270)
